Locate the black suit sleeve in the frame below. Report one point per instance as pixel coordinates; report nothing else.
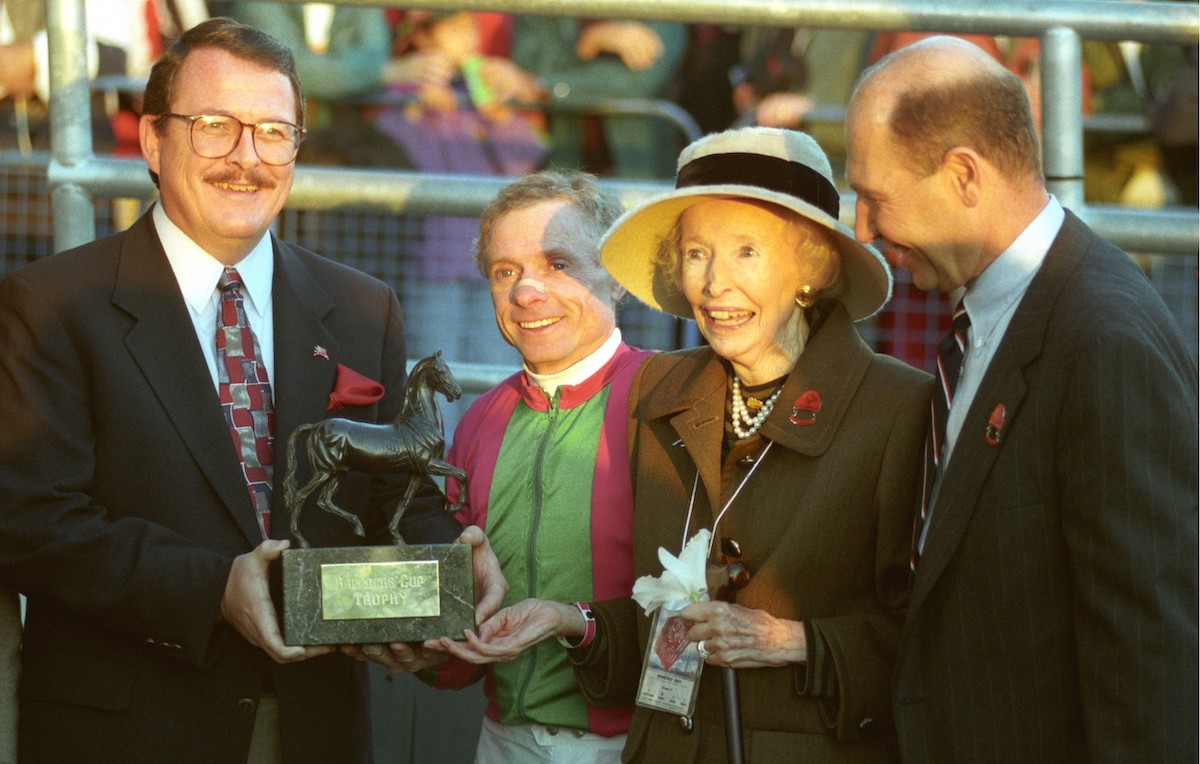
(1129, 511)
(58, 541)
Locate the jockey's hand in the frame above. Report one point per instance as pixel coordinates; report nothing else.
(490, 584)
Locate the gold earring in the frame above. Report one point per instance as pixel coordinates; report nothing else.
(806, 298)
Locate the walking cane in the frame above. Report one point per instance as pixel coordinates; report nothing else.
(733, 715)
(738, 575)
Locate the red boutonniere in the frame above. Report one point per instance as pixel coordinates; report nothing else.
(995, 425)
(804, 410)
(352, 389)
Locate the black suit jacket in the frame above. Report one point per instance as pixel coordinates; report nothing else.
(1053, 615)
(123, 504)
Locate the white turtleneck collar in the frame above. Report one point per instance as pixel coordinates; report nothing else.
(580, 370)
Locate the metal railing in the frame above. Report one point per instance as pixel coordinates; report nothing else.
(114, 85)
(76, 176)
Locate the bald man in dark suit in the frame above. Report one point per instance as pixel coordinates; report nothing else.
(1053, 615)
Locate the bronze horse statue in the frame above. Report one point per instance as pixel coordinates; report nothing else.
(414, 443)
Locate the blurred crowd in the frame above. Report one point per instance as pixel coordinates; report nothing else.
(496, 93)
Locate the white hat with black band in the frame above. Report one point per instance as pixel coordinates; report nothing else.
(783, 167)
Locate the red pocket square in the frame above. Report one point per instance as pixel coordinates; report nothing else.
(352, 389)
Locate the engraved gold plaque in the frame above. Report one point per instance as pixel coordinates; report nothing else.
(380, 590)
(377, 594)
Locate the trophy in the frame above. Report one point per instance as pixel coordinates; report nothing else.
(377, 594)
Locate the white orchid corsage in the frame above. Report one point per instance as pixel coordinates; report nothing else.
(683, 580)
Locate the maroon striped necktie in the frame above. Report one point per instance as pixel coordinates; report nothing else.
(245, 396)
(949, 364)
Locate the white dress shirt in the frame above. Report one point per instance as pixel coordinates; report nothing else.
(990, 301)
(198, 274)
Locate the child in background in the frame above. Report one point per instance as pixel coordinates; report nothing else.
(461, 116)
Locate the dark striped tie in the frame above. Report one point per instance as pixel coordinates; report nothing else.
(949, 364)
(245, 396)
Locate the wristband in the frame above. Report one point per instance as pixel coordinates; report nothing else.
(589, 628)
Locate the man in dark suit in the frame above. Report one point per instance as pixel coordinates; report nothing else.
(139, 533)
(1054, 607)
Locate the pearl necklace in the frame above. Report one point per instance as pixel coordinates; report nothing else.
(742, 415)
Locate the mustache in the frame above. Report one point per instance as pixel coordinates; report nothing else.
(238, 178)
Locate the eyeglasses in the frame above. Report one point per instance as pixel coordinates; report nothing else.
(215, 136)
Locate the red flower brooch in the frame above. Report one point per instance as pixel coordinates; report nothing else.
(805, 408)
(352, 389)
(995, 425)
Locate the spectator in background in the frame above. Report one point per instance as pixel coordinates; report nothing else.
(1173, 116)
(703, 87)
(125, 37)
(777, 86)
(1121, 166)
(340, 50)
(750, 75)
(772, 72)
(585, 62)
(447, 58)
(462, 117)
(342, 54)
(763, 75)
(546, 455)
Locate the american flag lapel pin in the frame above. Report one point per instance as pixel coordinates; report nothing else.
(320, 352)
(991, 433)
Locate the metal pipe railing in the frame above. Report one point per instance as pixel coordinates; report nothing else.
(1166, 231)
(70, 120)
(1093, 19)
(1062, 117)
(668, 111)
(76, 176)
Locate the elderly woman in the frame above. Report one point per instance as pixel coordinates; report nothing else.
(787, 437)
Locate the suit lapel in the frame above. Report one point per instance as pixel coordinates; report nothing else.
(306, 358)
(162, 343)
(693, 399)
(818, 392)
(832, 367)
(306, 352)
(1004, 384)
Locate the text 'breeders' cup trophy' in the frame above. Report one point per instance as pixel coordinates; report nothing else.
(376, 594)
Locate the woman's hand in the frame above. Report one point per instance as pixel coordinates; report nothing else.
(782, 109)
(513, 630)
(636, 44)
(509, 82)
(740, 637)
(427, 68)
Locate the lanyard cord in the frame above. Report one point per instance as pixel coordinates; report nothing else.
(692, 502)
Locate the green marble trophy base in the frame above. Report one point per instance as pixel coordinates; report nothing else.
(377, 594)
